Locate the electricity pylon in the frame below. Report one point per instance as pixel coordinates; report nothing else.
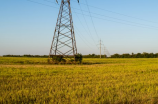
(100, 47)
(106, 52)
(64, 43)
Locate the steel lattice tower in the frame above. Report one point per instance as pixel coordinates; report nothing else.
(64, 42)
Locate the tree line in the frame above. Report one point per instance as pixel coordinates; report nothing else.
(137, 55)
(127, 55)
(46, 56)
(94, 56)
(38, 56)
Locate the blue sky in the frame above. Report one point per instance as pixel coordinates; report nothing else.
(124, 26)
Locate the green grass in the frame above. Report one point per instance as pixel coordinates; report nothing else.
(104, 81)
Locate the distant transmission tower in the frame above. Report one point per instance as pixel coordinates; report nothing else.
(64, 43)
(100, 47)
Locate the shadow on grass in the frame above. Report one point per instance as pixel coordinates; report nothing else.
(56, 63)
(76, 63)
(32, 62)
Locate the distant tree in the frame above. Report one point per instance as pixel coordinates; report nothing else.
(115, 56)
(126, 56)
(151, 55)
(133, 55)
(145, 55)
(138, 55)
(156, 55)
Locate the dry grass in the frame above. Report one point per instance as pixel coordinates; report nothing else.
(112, 81)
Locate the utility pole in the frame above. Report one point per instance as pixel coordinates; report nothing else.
(100, 48)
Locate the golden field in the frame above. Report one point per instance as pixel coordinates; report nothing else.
(96, 81)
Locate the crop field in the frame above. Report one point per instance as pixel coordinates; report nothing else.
(102, 81)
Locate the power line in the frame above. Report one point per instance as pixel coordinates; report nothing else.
(118, 13)
(121, 22)
(115, 18)
(83, 39)
(92, 20)
(106, 51)
(85, 15)
(51, 1)
(108, 17)
(81, 24)
(104, 16)
(42, 4)
(92, 16)
(87, 24)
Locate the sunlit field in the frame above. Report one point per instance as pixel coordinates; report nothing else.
(96, 81)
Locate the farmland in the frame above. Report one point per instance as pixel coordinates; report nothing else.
(101, 81)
